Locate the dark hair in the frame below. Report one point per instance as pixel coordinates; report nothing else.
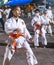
(37, 10)
(12, 8)
(11, 14)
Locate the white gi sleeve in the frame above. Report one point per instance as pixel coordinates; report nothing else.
(33, 22)
(43, 21)
(26, 32)
(8, 27)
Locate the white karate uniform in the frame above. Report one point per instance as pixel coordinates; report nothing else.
(29, 14)
(50, 16)
(1, 13)
(46, 19)
(10, 25)
(7, 12)
(35, 21)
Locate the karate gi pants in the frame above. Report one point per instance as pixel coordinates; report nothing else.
(36, 37)
(31, 59)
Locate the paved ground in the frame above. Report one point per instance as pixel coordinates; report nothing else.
(45, 56)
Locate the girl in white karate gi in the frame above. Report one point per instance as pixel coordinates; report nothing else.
(38, 24)
(18, 33)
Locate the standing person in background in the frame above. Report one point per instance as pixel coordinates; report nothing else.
(1, 18)
(38, 24)
(16, 29)
(50, 16)
(46, 18)
(7, 12)
(29, 14)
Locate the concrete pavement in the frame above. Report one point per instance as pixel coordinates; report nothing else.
(45, 56)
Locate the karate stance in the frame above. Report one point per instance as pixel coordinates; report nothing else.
(50, 16)
(16, 29)
(38, 23)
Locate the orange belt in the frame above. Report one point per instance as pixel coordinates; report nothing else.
(15, 36)
(39, 26)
